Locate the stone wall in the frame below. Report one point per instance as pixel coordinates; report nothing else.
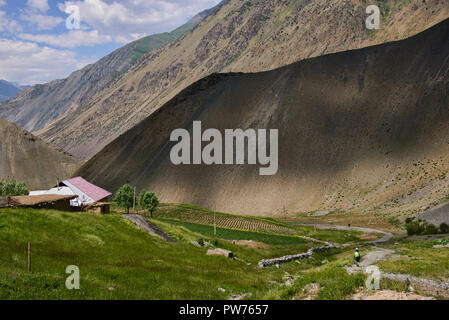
(270, 262)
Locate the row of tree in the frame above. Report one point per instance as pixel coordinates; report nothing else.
(419, 227)
(126, 198)
(13, 188)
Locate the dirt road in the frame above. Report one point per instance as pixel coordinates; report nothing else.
(386, 235)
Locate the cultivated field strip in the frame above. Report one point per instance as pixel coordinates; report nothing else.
(223, 220)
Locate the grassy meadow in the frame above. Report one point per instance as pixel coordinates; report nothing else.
(117, 260)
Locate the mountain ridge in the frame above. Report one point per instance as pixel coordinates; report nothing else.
(361, 130)
(41, 105)
(9, 89)
(249, 36)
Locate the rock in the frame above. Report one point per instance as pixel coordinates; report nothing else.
(439, 246)
(266, 263)
(320, 213)
(240, 296)
(196, 244)
(221, 290)
(220, 252)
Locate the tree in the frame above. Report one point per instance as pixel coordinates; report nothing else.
(415, 228)
(148, 201)
(430, 229)
(124, 197)
(444, 228)
(13, 188)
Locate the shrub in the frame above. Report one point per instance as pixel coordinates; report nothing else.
(13, 188)
(430, 229)
(444, 228)
(414, 228)
(408, 220)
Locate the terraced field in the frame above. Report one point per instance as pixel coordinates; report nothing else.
(203, 216)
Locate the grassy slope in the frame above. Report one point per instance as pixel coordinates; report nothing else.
(157, 41)
(119, 261)
(112, 253)
(419, 258)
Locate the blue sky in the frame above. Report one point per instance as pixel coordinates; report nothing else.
(36, 46)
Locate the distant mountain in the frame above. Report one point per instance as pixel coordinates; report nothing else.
(238, 36)
(27, 158)
(361, 131)
(9, 89)
(42, 104)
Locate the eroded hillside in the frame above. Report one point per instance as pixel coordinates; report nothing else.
(27, 158)
(364, 130)
(241, 36)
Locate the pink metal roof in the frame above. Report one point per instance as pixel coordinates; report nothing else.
(94, 192)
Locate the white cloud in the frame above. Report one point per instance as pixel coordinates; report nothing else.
(41, 5)
(27, 63)
(122, 19)
(72, 39)
(42, 22)
(102, 21)
(7, 25)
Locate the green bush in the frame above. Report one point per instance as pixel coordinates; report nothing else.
(13, 188)
(414, 228)
(430, 229)
(421, 227)
(444, 228)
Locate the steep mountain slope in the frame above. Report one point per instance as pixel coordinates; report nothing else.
(27, 158)
(8, 90)
(360, 130)
(40, 105)
(241, 36)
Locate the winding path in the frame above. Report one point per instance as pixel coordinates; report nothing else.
(386, 237)
(148, 226)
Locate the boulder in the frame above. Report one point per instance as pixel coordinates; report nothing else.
(220, 252)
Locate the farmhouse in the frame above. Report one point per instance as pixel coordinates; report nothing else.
(85, 194)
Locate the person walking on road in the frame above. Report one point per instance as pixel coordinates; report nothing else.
(357, 256)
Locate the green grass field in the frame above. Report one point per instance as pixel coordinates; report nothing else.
(119, 261)
(201, 216)
(419, 259)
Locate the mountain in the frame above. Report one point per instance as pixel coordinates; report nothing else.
(27, 158)
(8, 89)
(364, 130)
(42, 104)
(239, 36)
